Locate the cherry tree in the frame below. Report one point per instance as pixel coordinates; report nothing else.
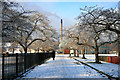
(100, 23)
(24, 27)
(76, 36)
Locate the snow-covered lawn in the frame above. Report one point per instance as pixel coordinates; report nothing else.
(63, 67)
(109, 68)
(108, 55)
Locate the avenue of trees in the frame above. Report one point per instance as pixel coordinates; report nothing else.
(26, 28)
(97, 26)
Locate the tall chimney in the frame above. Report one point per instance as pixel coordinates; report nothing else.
(61, 30)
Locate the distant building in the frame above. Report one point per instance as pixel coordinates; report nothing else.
(109, 49)
(7, 47)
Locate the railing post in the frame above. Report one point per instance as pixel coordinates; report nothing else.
(16, 64)
(25, 62)
(30, 60)
(3, 56)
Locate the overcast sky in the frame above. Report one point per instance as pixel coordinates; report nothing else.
(68, 10)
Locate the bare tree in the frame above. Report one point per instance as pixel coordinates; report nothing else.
(13, 47)
(100, 23)
(21, 26)
(76, 36)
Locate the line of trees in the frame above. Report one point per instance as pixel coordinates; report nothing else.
(97, 26)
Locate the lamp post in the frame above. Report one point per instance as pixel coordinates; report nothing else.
(61, 31)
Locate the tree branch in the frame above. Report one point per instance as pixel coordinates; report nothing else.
(109, 42)
(35, 40)
(114, 30)
(86, 45)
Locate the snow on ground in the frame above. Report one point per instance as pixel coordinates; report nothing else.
(109, 68)
(63, 67)
(108, 55)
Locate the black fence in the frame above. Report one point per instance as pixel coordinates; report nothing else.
(14, 65)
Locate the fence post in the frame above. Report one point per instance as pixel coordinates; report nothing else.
(30, 60)
(3, 56)
(25, 62)
(16, 64)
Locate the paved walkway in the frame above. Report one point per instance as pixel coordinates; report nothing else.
(63, 67)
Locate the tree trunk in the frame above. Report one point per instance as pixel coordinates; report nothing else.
(119, 49)
(83, 53)
(77, 53)
(30, 51)
(38, 50)
(25, 50)
(96, 55)
(96, 52)
(74, 52)
(13, 50)
(119, 46)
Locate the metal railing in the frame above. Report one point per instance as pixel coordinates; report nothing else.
(14, 65)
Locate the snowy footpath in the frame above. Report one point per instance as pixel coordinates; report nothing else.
(63, 67)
